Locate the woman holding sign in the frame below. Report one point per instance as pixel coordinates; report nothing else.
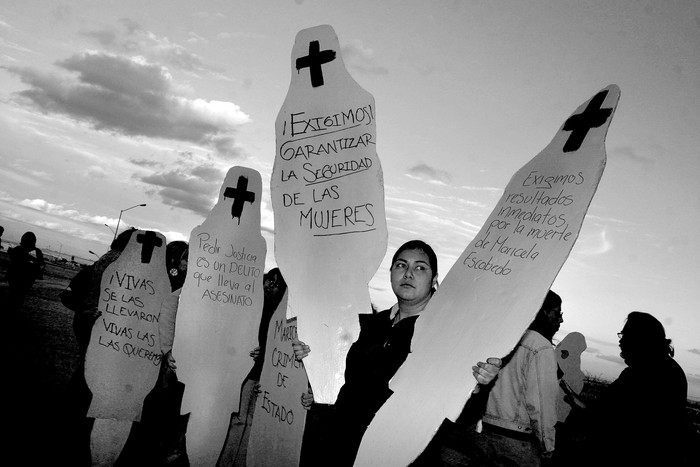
(382, 347)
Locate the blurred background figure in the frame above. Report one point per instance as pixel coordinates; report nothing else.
(26, 266)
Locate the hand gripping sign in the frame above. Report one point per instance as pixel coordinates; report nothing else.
(496, 287)
(219, 312)
(328, 198)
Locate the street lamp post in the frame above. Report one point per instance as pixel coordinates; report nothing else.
(110, 228)
(120, 218)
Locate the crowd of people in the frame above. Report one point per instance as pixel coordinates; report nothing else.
(513, 417)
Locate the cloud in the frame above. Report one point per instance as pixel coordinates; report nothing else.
(207, 15)
(130, 38)
(133, 97)
(416, 205)
(594, 244)
(611, 358)
(172, 235)
(359, 58)
(208, 173)
(14, 46)
(96, 171)
(145, 163)
(195, 38)
(492, 190)
(64, 212)
(695, 351)
(193, 189)
(22, 172)
(629, 153)
(430, 174)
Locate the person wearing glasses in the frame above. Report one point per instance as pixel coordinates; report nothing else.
(521, 411)
(641, 418)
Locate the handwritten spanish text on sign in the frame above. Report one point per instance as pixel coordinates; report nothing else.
(219, 312)
(123, 358)
(328, 199)
(279, 420)
(496, 287)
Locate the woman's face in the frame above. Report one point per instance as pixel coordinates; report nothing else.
(412, 277)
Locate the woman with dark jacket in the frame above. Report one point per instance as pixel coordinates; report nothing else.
(381, 348)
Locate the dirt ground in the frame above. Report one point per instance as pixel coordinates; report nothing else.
(42, 354)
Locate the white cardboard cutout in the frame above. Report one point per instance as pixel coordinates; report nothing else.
(495, 288)
(568, 353)
(123, 358)
(107, 440)
(328, 199)
(219, 312)
(279, 419)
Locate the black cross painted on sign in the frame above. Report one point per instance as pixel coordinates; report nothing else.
(149, 240)
(313, 62)
(579, 125)
(240, 195)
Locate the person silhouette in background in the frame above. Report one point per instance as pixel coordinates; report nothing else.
(26, 266)
(2, 231)
(640, 420)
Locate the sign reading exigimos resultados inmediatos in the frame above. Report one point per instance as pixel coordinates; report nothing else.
(496, 287)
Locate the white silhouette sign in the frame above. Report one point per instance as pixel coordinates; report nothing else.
(123, 358)
(279, 419)
(496, 287)
(219, 312)
(328, 199)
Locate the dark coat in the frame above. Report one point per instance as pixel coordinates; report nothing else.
(371, 362)
(640, 420)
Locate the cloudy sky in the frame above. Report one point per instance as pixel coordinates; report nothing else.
(105, 105)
